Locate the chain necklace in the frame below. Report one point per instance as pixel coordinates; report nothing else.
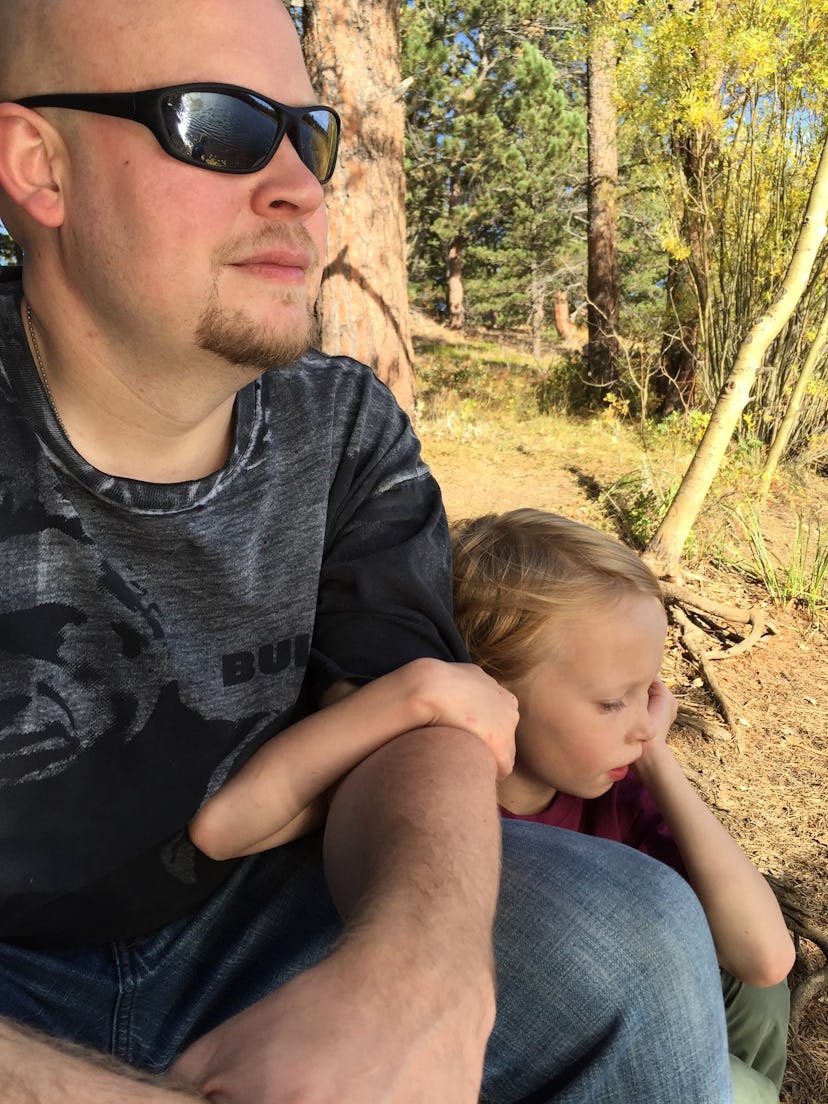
(41, 369)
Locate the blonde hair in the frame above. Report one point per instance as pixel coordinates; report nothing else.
(515, 572)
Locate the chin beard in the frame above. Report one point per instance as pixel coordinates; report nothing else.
(236, 338)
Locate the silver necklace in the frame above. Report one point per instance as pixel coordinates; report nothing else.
(41, 368)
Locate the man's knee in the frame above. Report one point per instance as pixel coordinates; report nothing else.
(599, 911)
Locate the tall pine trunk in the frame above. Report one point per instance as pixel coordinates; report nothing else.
(455, 251)
(538, 314)
(602, 231)
(353, 56)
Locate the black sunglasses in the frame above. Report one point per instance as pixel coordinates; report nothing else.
(220, 127)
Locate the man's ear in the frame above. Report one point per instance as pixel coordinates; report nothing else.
(28, 145)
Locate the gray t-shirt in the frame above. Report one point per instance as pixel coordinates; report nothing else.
(152, 636)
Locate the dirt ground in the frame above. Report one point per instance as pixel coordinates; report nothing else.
(766, 779)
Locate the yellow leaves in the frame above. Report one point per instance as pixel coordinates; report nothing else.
(700, 111)
(674, 247)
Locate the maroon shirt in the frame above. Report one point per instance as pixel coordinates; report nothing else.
(626, 813)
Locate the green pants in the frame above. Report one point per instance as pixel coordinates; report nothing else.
(757, 1032)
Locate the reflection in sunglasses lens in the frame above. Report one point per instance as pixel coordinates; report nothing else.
(224, 132)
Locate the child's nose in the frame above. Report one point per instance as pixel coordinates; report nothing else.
(644, 728)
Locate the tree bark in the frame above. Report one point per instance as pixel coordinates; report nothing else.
(664, 550)
(352, 53)
(788, 423)
(687, 279)
(563, 323)
(602, 232)
(538, 317)
(455, 298)
(455, 293)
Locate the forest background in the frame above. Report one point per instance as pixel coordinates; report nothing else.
(557, 228)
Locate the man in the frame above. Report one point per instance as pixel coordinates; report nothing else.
(204, 536)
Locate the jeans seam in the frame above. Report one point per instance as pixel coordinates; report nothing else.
(122, 1011)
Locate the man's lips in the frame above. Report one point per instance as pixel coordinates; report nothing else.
(283, 263)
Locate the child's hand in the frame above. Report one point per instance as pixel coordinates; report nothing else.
(661, 711)
(662, 708)
(461, 695)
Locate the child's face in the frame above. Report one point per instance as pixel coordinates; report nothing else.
(584, 709)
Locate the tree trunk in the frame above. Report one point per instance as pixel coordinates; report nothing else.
(680, 341)
(664, 550)
(563, 323)
(687, 281)
(454, 285)
(352, 53)
(538, 311)
(602, 232)
(455, 294)
(788, 423)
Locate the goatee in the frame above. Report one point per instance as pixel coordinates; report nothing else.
(238, 339)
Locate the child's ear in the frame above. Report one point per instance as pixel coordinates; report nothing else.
(30, 150)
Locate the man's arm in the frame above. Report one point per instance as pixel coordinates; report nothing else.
(401, 1011)
(35, 1069)
(268, 802)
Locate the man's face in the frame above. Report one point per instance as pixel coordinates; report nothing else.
(174, 255)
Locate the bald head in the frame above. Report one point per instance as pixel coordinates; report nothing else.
(104, 45)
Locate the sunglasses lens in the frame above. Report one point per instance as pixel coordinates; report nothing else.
(220, 131)
(315, 137)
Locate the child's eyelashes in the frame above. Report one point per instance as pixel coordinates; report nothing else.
(611, 706)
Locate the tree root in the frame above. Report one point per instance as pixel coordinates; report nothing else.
(694, 642)
(803, 927)
(755, 617)
(681, 601)
(686, 718)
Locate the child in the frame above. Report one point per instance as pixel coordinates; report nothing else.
(573, 623)
(279, 792)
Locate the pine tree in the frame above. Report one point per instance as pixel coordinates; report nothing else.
(522, 236)
(473, 73)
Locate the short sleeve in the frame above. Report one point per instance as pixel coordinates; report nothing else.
(385, 584)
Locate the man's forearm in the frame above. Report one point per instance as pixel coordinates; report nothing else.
(35, 1069)
(402, 1008)
(412, 847)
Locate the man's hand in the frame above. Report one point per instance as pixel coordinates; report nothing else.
(341, 1034)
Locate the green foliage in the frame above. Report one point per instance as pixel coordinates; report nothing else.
(472, 378)
(638, 502)
(561, 387)
(688, 426)
(494, 146)
(797, 576)
(725, 106)
(8, 249)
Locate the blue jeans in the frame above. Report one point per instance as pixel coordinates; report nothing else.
(608, 989)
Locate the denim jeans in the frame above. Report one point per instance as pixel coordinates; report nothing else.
(608, 989)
